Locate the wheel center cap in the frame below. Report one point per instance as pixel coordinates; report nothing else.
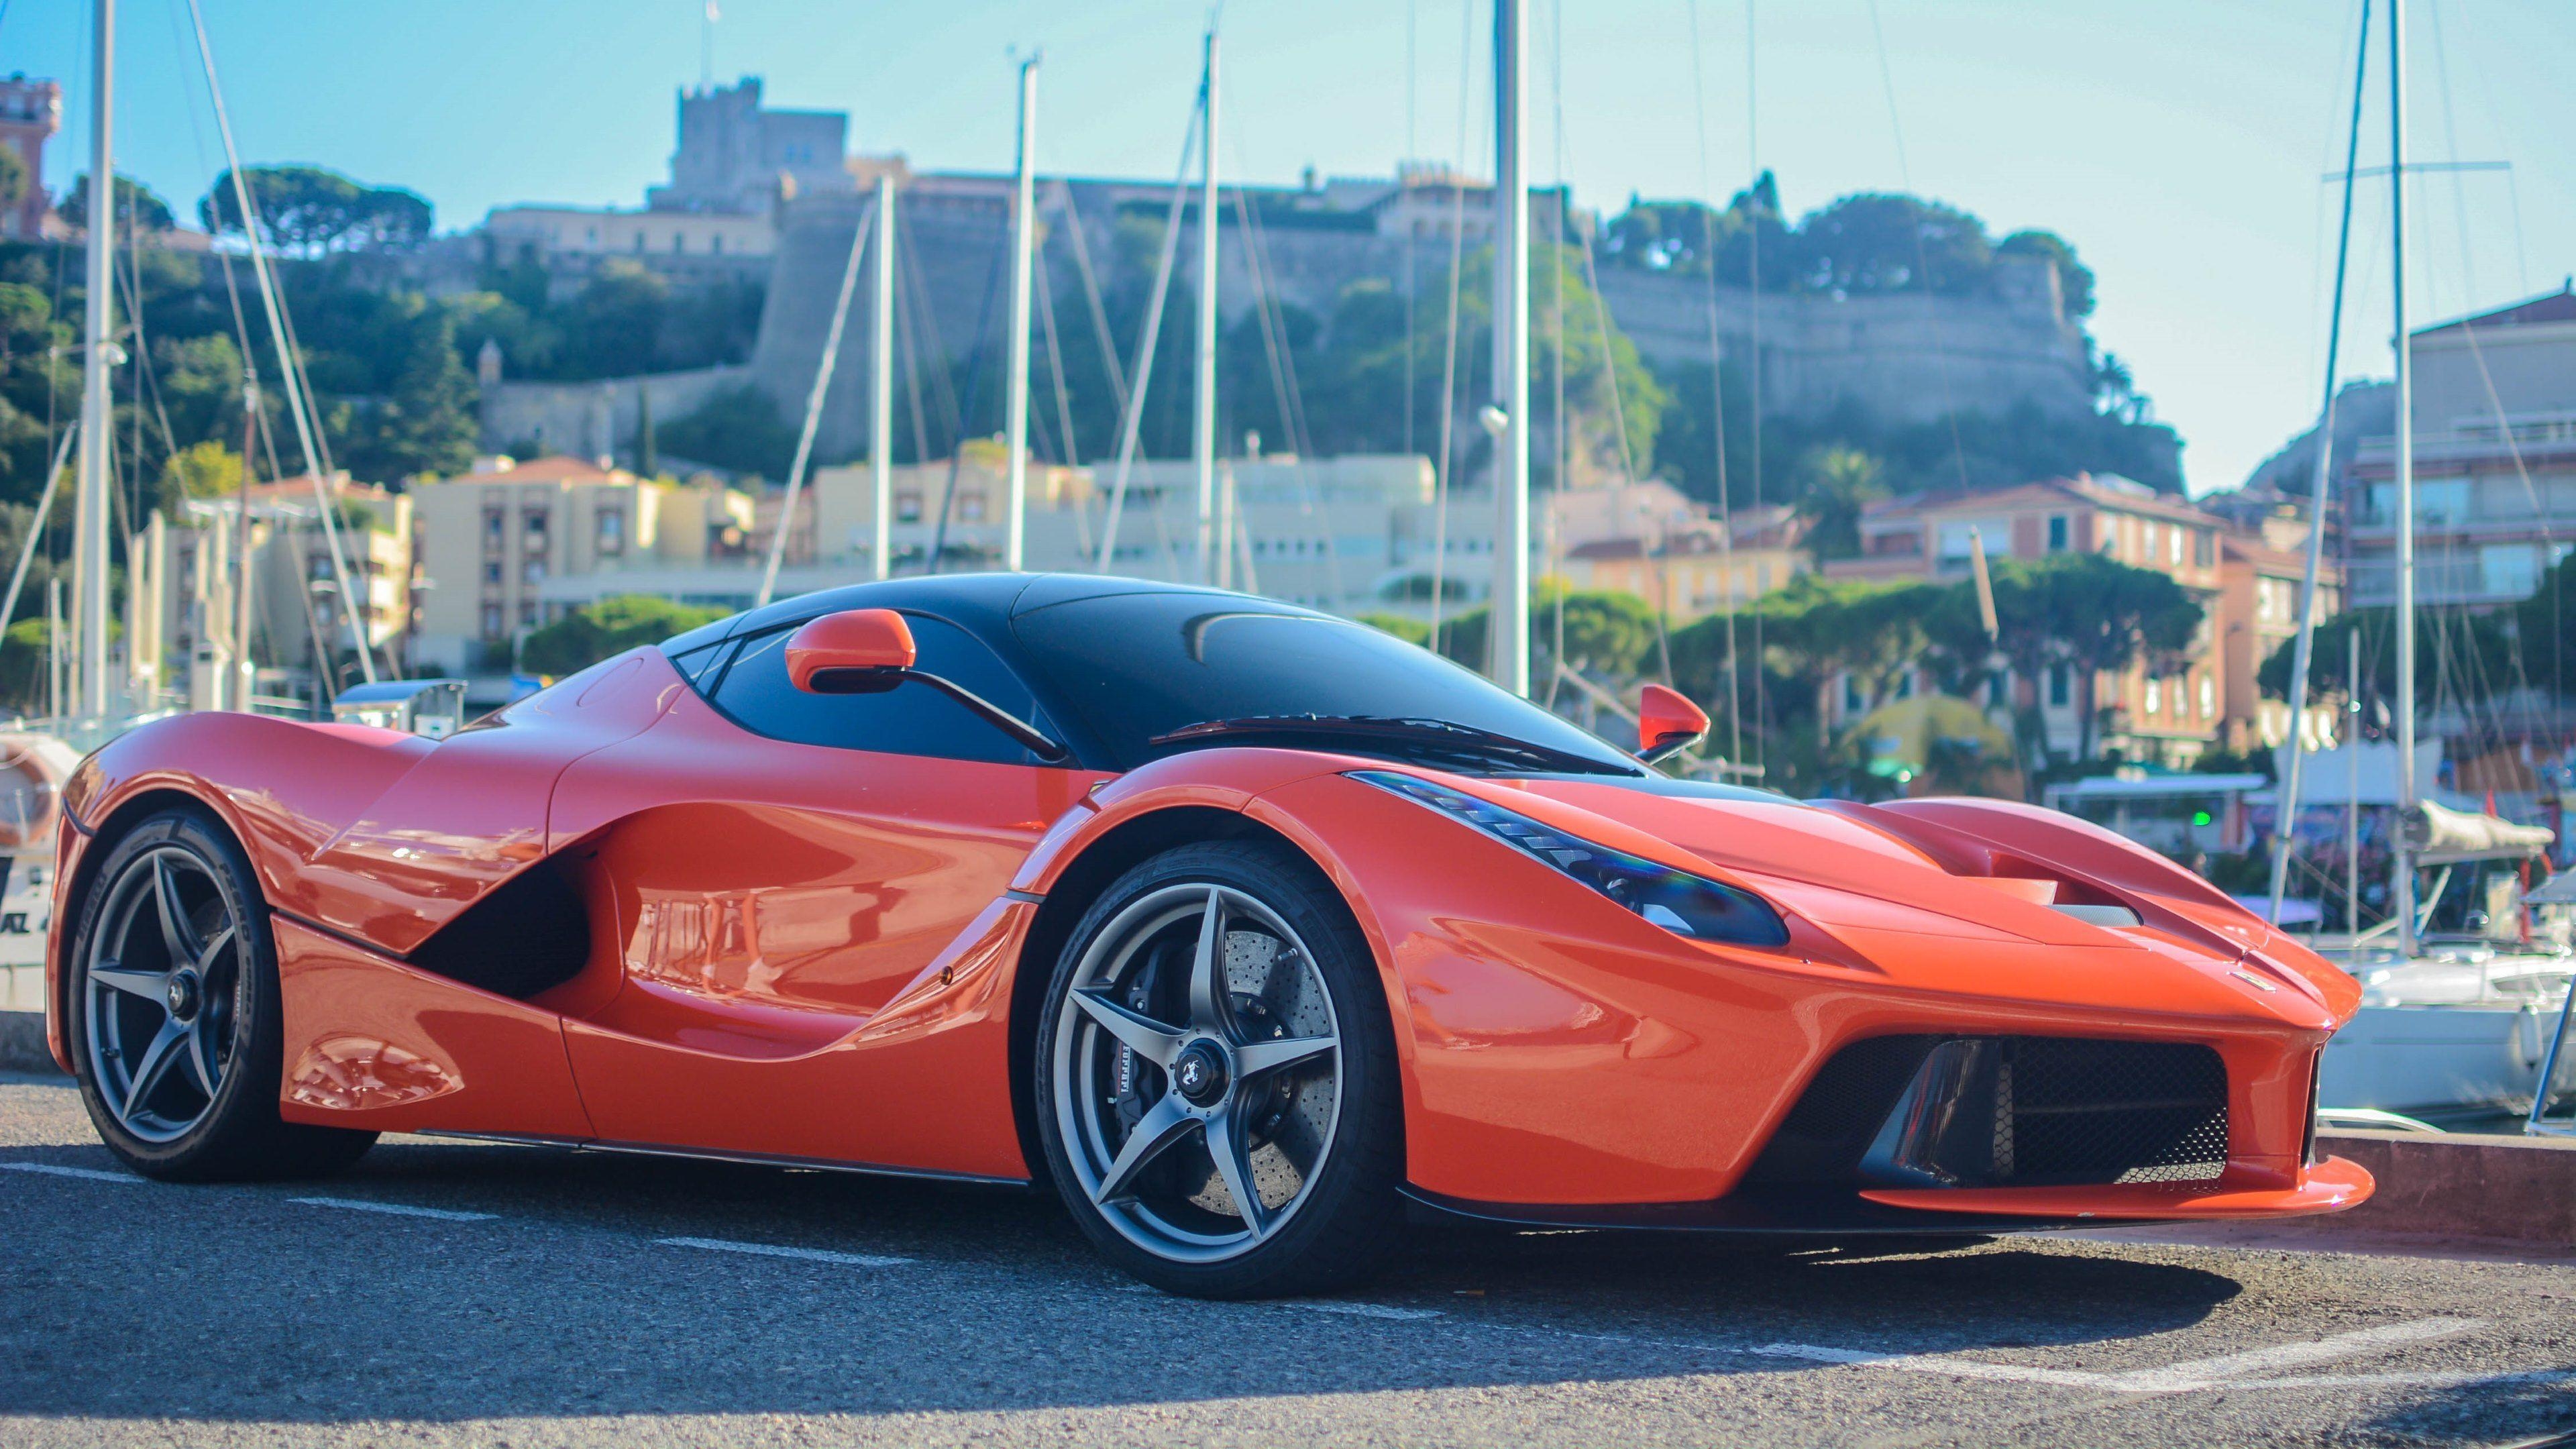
(1199, 1073)
(183, 995)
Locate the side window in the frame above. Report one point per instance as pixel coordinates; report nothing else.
(910, 719)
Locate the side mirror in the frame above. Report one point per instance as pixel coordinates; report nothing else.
(1667, 723)
(856, 651)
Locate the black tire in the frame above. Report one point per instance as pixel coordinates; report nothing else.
(1347, 1214)
(232, 1134)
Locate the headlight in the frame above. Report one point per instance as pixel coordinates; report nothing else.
(1678, 901)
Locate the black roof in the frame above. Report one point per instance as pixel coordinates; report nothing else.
(982, 604)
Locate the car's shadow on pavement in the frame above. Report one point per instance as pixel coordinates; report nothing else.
(243, 1303)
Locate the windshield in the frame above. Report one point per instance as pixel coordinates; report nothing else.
(1139, 667)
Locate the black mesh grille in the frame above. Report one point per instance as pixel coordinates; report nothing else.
(2033, 1111)
(2111, 1111)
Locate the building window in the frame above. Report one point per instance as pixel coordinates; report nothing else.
(2155, 695)
(495, 525)
(970, 505)
(2204, 549)
(535, 526)
(639, 239)
(527, 613)
(492, 572)
(491, 621)
(907, 506)
(679, 243)
(612, 532)
(2058, 532)
(2173, 545)
(2208, 697)
(2060, 685)
(2509, 570)
(715, 244)
(532, 572)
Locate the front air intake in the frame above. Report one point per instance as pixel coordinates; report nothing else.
(1928, 1111)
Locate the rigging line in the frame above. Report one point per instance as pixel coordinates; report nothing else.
(974, 388)
(941, 372)
(1753, 283)
(1063, 402)
(1066, 451)
(291, 373)
(1717, 401)
(1091, 295)
(1404, 198)
(823, 370)
(2303, 653)
(1561, 463)
(1922, 257)
(2477, 352)
(904, 330)
(36, 528)
(1292, 398)
(1132, 420)
(131, 282)
(1449, 380)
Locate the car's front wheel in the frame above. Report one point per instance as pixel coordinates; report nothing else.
(1217, 1086)
(174, 1016)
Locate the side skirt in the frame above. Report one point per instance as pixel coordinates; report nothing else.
(747, 1159)
(1748, 1212)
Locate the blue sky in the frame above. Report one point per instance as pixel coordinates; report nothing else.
(2178, 145)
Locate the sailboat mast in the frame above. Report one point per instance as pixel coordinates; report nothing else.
(90, 526)
(1015, 412)
(1508, 618)
(881, 382)
(2406, 782)
(1203, 426)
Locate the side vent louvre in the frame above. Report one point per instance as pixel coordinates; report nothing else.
(530, 933)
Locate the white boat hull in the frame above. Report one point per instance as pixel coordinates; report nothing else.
(2415, 1059)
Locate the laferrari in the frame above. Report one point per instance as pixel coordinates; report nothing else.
(1246, 930)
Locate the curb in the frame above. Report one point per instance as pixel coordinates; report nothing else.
(2460, 1184)
(22, 1044)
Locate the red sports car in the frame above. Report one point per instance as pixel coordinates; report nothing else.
(1248, 928)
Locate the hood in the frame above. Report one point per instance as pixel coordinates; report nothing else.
(1835, 869)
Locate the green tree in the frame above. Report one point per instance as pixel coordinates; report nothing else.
(1839, 483)
(2074, 279)
(136, 204)
(2096, 615)
(425, 425)
(738, 429)
(606, 629)
(1609, 635)
(204, 469)
(311, 210)
(1877, 242)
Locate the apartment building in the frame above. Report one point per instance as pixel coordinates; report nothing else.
(489, 542)
(296, 607)
(2495, 462)
(2167, 715)
(2258, 613)
(1696, 566)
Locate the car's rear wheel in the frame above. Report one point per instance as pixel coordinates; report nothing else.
(1217, 1086)
(174, 1017)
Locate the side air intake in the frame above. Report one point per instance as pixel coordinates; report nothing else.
(529, 933)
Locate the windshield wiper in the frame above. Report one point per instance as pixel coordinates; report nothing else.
(1436, 735)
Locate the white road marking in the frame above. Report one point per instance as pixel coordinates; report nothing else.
(1924, 1363)
(2209, 1372)
(395, 1209)
(2233, 1371)
(772, 1250)
(1371, 1310)
(90, 1174)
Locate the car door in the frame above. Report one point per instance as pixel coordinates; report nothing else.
(783, 867)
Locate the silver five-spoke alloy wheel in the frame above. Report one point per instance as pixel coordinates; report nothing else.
(164, 980)
(1197, 1074)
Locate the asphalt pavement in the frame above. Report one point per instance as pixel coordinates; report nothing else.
(454, 1293)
